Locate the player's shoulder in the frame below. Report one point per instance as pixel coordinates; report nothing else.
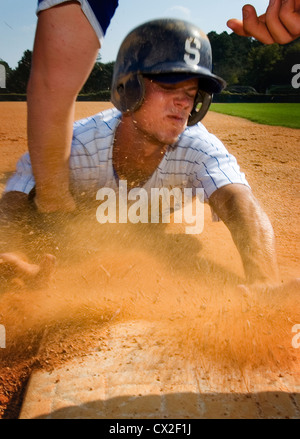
(195, 131)
(102, 124)
(196, 143)
(198, 137)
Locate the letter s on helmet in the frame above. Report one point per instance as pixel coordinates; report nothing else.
(164, 47)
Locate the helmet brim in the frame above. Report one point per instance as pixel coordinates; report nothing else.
(207, 81)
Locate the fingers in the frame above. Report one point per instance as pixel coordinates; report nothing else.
(276, 10)
(290, 16)
(249, 16)
(256, 26)
(280, 24)
(252, 25)
(12, 266)
(237, 27)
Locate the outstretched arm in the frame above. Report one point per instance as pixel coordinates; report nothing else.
(251, 231)
(279, 24)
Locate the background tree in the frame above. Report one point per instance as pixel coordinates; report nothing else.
(263, 62)
(99, 79)
(240, 61)
(230, 55)
(18, 78)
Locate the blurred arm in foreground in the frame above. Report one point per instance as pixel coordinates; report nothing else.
(67, 41)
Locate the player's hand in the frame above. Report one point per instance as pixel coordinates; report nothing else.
(14, 270)
(291, 287)
(279, 24)
(58, 203)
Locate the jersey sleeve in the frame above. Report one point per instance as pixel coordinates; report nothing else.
(212, 165)
(90, 158)
(22, 180)
(99, 13)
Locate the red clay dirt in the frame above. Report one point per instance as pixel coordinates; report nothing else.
(184, 284)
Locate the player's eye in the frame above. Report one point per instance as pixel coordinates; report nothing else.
(192, 94)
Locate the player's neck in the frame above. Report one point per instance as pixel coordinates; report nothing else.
(135, 154)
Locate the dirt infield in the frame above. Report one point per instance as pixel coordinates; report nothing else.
(185, 285)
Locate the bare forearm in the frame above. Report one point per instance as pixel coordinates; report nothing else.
(50, 126)
(254, 238)
(252, 233)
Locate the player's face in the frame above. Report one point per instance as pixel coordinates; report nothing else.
(165, 111)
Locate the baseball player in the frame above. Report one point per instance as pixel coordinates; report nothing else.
(279, 24)
(162, 87)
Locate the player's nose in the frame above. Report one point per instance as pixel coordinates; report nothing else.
(182, 100)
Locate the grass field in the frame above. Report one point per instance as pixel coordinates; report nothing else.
(286, 115)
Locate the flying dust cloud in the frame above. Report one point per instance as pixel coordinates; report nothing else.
(186, 286)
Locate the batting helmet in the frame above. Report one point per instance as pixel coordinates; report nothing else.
(164, 47)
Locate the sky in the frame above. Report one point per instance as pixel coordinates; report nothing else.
(18, 21)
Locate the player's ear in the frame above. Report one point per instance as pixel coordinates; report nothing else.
(129, 94)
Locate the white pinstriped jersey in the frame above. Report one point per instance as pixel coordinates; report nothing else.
(197, 160)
